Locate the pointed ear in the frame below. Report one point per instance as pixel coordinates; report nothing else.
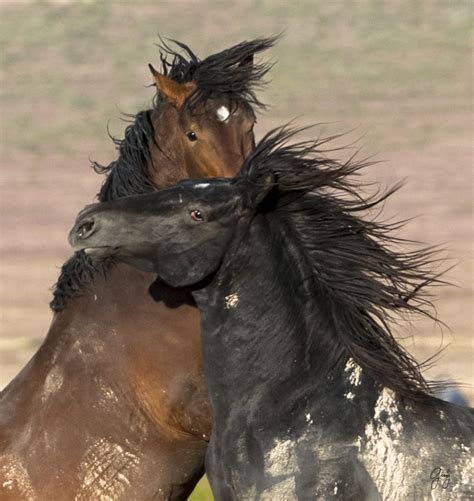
(260, 188)
(173, 91)
(247, 61)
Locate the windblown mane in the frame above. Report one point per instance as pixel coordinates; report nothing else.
(353, 259)
(221, 74)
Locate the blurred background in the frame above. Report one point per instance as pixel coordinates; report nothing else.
(398, 72)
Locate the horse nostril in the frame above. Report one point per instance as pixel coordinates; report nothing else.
(86, 229)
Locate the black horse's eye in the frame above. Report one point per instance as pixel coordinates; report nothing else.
(196, 215)
(191, 135)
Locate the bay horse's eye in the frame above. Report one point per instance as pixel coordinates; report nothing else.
(196, 215)
(191, 135)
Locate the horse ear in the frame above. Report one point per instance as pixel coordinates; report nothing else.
(173, 91)
(261, 187)
(247, 61)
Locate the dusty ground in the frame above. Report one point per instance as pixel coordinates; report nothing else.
(400, 72)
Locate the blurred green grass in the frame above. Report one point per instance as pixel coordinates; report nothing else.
(68, 69)
(202, 492)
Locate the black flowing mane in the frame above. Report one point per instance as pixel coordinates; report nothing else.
(221, 74)
(352, 260)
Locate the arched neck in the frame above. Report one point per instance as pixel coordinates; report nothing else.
(267, 331)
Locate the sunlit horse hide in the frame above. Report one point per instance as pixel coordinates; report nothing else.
(113, 404)
(298, 285)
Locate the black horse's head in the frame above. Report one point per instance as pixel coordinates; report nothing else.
(181, 233)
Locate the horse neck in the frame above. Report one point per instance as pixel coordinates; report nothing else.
(266, 333)
(112, 332)
(107, 368)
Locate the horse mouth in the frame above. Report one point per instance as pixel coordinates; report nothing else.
(100, 252)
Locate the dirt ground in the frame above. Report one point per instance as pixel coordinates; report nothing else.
(400, 74)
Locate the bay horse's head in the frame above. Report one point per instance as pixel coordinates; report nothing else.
(203, 117)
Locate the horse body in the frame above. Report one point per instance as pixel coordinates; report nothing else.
(312, 397)
(297, 418)
(94, 415)
(114, 403)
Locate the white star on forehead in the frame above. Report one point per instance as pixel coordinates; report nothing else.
(223, 113)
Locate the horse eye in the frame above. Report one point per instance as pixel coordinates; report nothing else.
(191, 135)
(196, 215)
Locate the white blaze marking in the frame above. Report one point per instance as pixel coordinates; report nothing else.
(382, 454)
(231, 301)
(308, 418)
(397, 461)
(223, 114)
(201, 185)
(280, 459)
(354, 372)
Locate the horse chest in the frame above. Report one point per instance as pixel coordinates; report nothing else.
(248, 464)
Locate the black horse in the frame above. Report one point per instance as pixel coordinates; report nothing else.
(312, 396)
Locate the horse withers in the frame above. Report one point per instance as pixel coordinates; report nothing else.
(312, 396)
(113, 404)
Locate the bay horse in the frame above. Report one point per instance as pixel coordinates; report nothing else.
(113, 404)
(312, 396)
